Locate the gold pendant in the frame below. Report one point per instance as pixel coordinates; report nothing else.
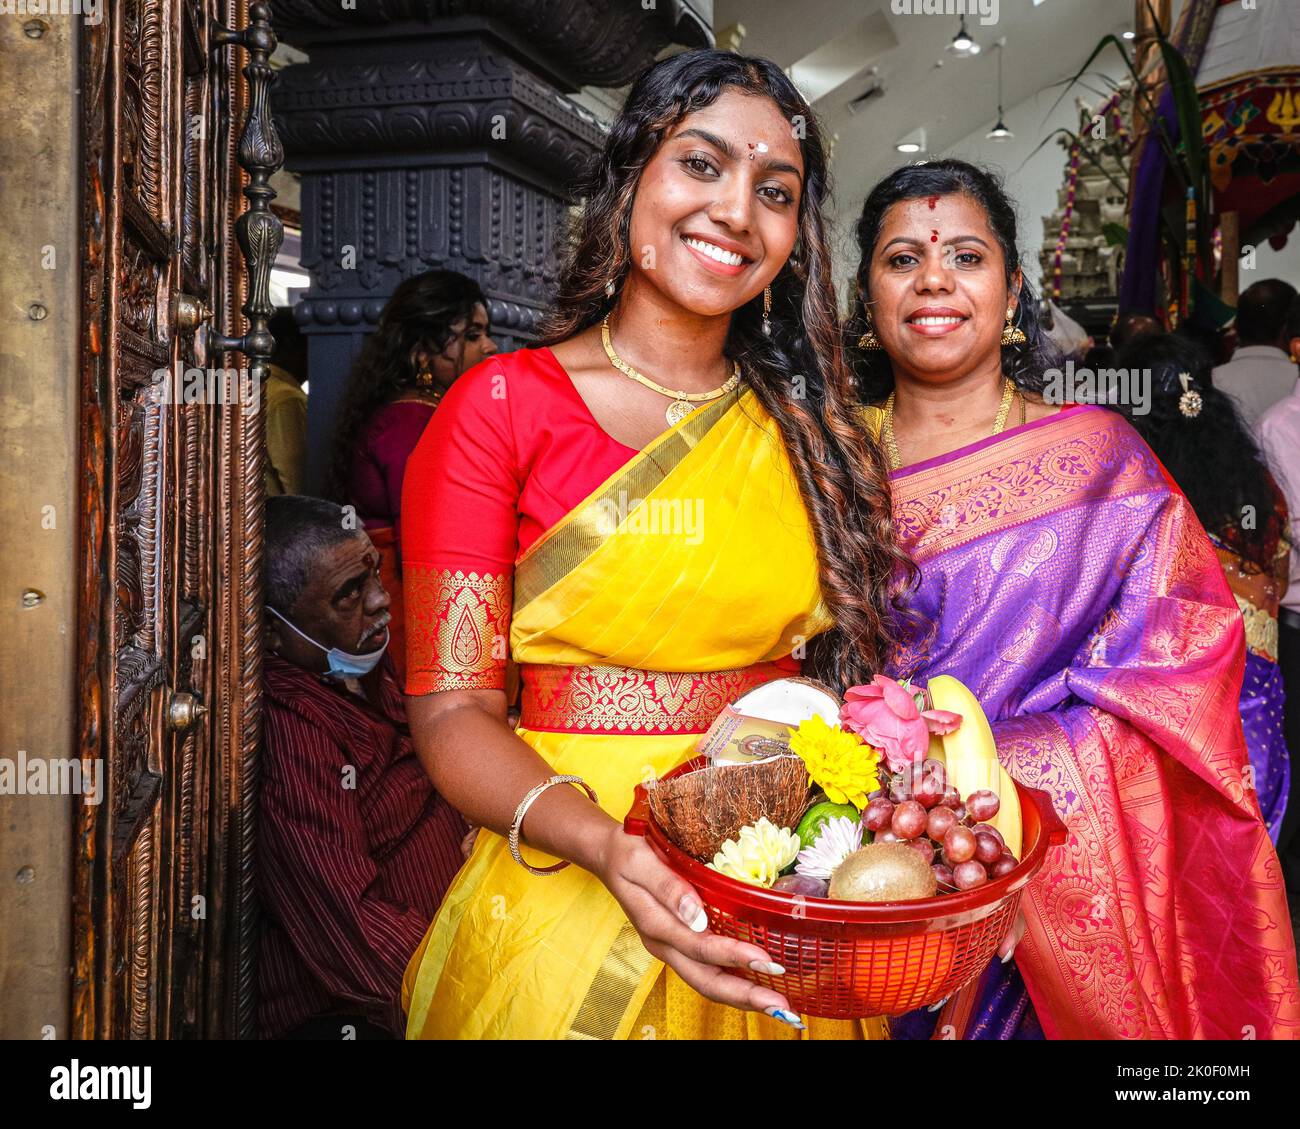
(677, 411)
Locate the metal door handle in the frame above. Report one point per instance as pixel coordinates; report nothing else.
(258, 229)
(189, 312)
(183, 710)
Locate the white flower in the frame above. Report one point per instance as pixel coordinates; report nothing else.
(758, 854)
(839, 838)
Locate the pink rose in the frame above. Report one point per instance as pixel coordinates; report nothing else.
(886, 716)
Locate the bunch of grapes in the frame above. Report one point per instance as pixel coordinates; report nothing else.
(920, 808)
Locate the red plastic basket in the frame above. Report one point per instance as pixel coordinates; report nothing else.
(850, 960)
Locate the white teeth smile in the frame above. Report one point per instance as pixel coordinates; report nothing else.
(730, 258)
(937, 321)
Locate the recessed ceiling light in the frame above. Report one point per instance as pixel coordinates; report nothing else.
(1129, 35)
(913, 142)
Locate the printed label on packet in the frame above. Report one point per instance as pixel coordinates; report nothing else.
(736, 738)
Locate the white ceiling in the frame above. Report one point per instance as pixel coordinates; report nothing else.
(829, 46)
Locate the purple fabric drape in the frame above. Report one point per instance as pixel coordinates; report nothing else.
(1137, 289)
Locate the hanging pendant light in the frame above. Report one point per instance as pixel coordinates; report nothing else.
(961, 42)
(999, 132)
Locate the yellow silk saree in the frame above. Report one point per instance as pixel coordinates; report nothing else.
(687, 577)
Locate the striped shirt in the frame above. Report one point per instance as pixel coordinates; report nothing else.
(355, 851)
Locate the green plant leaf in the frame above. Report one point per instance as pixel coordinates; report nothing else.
(1116, 234)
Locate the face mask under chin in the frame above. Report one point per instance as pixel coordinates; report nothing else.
(342, 664)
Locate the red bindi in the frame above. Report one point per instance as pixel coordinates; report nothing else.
(932, 201)
(934, 236)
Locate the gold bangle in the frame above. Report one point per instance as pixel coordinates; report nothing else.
(522, 810)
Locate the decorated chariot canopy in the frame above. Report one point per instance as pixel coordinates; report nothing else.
(1244, 62)
(1249, 85)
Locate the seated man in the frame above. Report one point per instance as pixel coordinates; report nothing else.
(355, 848)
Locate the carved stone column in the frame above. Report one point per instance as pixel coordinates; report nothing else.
(437, 133)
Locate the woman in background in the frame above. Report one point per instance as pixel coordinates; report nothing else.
(432, 329)
(1197, 433)
(1070, 586)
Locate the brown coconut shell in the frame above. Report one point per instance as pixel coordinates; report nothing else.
(701, 810)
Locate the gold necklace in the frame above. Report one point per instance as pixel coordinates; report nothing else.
(1009, 391)
(682, 402)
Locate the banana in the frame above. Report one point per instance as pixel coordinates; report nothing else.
(971, 756)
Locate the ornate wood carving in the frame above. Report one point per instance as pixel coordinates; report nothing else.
(144, 103)
(162, 488)
(259, 232)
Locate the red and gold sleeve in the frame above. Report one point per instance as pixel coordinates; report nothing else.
(460, 531)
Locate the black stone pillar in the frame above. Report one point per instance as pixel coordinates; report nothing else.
(437, 133)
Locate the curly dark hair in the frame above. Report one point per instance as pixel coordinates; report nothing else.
(419, 315)
(797, 373)
(1212, 456)
(1024, 364)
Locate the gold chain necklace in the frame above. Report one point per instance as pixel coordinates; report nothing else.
(682, 402)
(1004, 409)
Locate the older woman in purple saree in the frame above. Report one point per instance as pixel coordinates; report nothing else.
(1067, 582)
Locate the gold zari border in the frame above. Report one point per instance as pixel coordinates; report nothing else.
(569, 543)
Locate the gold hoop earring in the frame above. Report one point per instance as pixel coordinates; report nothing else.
(767, 310)
(1013, 334)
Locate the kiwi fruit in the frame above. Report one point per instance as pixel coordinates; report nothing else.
(882, 872)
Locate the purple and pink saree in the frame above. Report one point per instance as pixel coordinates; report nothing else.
(1068, 583)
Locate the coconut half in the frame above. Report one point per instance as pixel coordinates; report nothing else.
(790, 700)
(701, 810)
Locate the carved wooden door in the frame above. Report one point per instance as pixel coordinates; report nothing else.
(171, 476)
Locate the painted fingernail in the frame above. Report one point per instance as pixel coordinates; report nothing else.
(692, 913)
(936, 1007)
(768, 966)
(787, 1017)
(1008, 956)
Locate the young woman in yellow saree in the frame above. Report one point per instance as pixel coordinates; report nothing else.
(640, 577)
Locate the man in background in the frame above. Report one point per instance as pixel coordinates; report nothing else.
(285, 405)
(355, 848)
(1260, 374)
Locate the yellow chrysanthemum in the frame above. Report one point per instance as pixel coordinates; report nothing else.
(838, 760)
(758, 854)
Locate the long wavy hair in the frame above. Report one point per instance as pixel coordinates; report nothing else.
(1211, 455)
(419, 315)
(797, 373)
(1024, 364)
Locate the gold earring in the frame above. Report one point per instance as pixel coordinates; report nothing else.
(424, 378)
(767, 309)
(1013, 334)
(869, 340)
